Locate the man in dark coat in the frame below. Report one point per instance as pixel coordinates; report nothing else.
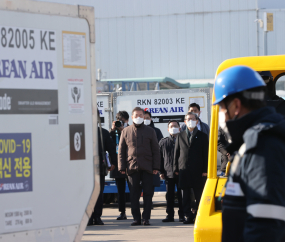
(109, 147)
(195, 108)
(115, 132)
(222, 148)
(253, 206)
(139, 157)
(166, 146)
(148, 121)
(191, 163)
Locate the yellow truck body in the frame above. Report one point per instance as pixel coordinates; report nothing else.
(208, 224)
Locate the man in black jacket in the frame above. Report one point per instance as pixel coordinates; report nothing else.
(191, 163)
(115, 132)
(254, 204)
(166, 146)
(148, 121)
(109, 147)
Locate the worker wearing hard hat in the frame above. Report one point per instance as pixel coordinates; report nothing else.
(254, 202)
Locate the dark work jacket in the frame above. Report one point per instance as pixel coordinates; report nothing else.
(255, 191)
(191, 159)
(204, 127)
(278, 103)
(157, 131)
(222, 144)
(138, 150)
(109, 146)
(166, 146)
(156, 178)
(115, 173)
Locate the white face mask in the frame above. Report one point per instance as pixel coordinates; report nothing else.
(147, 122)
(191, 124)
(174, 131)
(125, 125)
(138, 120)
(223, 125)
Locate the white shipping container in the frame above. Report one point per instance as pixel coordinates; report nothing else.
(49, 180)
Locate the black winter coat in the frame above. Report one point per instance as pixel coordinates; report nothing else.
(255, 190)
(222, 145)
(157, 131)
(191, 159)
(108, 146)
(159, 136)
(115, 173)
(166, 147)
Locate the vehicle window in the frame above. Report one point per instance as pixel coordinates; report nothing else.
(280, 87)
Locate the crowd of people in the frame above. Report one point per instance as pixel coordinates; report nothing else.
(251, 135)
(140, 155)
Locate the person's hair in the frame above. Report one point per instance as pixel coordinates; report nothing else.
(250, 104)
(192, 105)
(137, 109)
(147, 112)
(190, 113)
(172, 121)
(122, 114)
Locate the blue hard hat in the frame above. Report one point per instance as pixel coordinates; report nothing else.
(236, 79)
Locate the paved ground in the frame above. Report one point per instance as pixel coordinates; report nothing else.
(114, 230)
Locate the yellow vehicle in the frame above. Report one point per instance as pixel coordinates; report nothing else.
(208, 224)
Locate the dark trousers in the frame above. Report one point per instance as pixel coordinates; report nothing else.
(121, 186)
(170, 196)
(135, 193)
(186, 199)
(99, 204)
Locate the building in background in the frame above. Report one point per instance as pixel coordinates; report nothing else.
(180, 39)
